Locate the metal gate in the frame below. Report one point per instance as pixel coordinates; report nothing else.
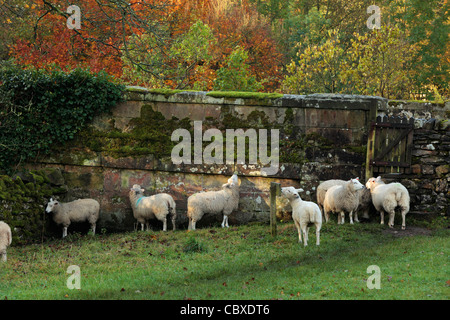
(389, 146)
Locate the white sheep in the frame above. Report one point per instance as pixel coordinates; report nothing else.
(5, 239)
(322, 190)
(342, 199)
(156, 206)
(304, 213)
(388, 197)
(80, 210)
(224, 201)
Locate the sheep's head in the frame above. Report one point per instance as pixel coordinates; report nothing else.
(51, 205)
(234, 179)
(371, 183)
(291, 193)
(356, 185)
(137, 188)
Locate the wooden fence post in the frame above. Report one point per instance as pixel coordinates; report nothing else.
(275, 190)
(371, 140)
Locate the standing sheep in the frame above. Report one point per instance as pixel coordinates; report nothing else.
(342, 199)
(157, 206)
(388, 197)
(5, 239)
(322, 190)
(365, 201)
(304, 213)
(224, 201)
(76, 211)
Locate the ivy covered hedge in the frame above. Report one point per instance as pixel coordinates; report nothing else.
(39, 109)
(22, 203)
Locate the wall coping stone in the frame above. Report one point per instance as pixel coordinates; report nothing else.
(316, 100)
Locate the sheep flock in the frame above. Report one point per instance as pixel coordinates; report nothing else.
(340, 197)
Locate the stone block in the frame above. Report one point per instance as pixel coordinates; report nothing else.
(427, 169)
(442, 170)
(416, 169)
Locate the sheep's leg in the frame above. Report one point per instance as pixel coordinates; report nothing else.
(382, 216)
(93, 228)
(356, 216)
(305, 236)
(191, 224)
(351, 217)
(165, 224)
(341, 217)
(326, 214)
(64, 232)
(225, 221)
(307, 232)
(391, 218)
(403, 220)
(4, 257)
(317, 234)
(173, 222)
(299, 230)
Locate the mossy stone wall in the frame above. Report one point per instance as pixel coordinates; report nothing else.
(322, 136)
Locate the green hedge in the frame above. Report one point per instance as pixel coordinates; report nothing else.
(22, 203)
(39, 109)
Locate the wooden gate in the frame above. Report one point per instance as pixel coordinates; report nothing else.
(389, 146)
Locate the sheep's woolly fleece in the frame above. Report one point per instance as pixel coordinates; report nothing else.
(156, 206)
(389, 197)
(5, 239)
(343, 199)
(303, 213)
(80, 210)
(224, 201)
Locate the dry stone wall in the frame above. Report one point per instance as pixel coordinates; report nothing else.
(321, 136)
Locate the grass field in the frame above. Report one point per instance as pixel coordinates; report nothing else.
(243, 262)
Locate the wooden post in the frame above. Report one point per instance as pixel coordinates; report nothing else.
(275, 190)
(371, 140)
(370, 152)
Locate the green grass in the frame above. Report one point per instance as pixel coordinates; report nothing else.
(243, 262)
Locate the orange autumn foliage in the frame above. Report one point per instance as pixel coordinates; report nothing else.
(99, 43)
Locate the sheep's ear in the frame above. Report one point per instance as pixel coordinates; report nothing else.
(357, 178)
(299, 190)
(378, 178)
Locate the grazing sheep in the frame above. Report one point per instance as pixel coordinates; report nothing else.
(5, 239)
(388, 197)
(322, 190)
(224, 201)
(157, 206)
(304, 213)
(342, 199)
(76, 211)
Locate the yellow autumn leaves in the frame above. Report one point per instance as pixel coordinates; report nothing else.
(374, 63)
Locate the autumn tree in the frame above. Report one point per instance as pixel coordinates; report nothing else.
(176, 65)
(235, 74)
(377, 63)
(99, 44)
(318, 68)
(380, 63)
